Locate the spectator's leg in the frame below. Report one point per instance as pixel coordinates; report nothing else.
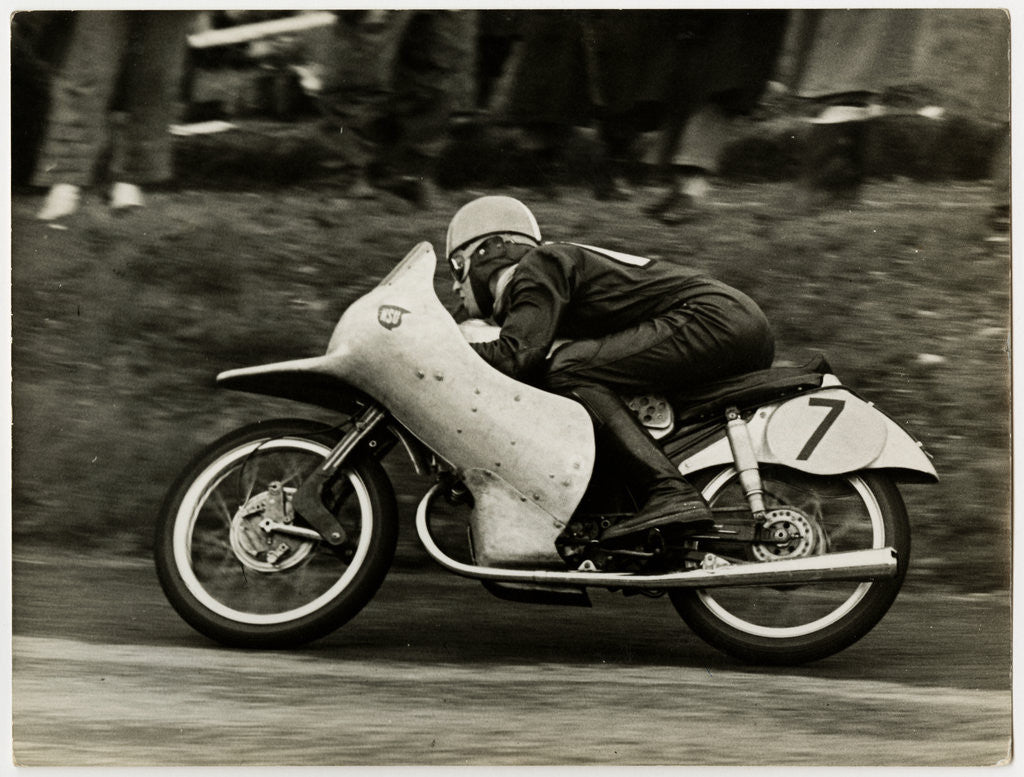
(435, 82)
(702, 141)
(355, 99)
(78, 133)
(1000, 214)
(154, 67)
(665, 149)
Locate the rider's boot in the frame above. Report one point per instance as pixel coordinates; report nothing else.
(667, 498)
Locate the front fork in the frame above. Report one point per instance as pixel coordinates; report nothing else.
(308, 497)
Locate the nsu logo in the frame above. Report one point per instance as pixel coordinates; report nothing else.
(390, 316)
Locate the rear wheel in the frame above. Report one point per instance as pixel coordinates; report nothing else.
(227, 561)
(812, 515)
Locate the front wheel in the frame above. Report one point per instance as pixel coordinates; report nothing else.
(229, 568)
(818, 514)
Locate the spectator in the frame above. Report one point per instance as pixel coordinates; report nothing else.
(545, 90)
(993, 106)
(845, 62)
(38, 42)
(629, 57)
(575, 68)
(124, 61)
(498, 33)
(392, 81)
(722, 61)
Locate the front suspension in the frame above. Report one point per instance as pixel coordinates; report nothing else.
(308, 498)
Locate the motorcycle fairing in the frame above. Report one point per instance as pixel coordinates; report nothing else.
(507, 528)
(830, 431)
(400, 346)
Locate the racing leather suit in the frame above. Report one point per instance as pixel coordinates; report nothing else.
(633, 324)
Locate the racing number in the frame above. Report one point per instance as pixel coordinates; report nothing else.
(835, 407)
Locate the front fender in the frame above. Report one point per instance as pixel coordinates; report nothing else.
(302, 380)
(831, 431)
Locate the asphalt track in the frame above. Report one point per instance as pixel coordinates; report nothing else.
(436, 671)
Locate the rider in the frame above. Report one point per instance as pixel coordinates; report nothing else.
(633, 325)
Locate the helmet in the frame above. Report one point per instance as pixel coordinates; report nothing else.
(490, 216)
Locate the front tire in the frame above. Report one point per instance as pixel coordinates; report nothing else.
(802, 623)
(246, 586)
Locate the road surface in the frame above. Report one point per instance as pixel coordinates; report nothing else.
(436, 671)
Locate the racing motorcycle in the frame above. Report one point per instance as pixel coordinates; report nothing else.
(282, 531)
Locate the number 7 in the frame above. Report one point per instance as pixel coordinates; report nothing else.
(835, 407)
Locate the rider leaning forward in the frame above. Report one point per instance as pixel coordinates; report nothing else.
(633, 325)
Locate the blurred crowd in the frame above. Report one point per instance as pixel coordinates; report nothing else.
(392, 87)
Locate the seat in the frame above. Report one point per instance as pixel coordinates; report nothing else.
(748, 390)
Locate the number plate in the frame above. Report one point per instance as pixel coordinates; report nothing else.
(826, 432)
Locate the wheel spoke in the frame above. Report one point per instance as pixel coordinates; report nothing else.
(295, 472)
(221, 507)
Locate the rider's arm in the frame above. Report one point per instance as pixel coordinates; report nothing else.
(539, 293)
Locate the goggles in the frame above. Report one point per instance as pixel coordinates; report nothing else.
(459, 262)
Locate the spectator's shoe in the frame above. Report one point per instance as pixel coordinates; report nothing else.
(999, 224)
(415, 189)
(676, 208)
(610, 189)
(999, 218)
(685, 201)
(62, 200)
(833, 171)
(125, 197)
(360, 189)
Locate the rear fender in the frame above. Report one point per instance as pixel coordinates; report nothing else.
(830, 431)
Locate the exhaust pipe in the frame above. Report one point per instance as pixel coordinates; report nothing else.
(857, 565)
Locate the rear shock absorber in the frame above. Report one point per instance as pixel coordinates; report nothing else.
(746, 462)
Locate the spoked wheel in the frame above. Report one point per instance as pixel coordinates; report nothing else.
(241, 566)
(807, 515)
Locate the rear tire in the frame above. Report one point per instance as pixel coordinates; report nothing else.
(798, 624)
(220, 570)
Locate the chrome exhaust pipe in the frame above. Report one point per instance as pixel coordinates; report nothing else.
(858, 565)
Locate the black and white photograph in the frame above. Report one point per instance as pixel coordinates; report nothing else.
(511, 386)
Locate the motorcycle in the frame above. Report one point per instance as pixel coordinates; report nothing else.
(282, 531)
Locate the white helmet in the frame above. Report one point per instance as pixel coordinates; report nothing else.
(493, 215)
